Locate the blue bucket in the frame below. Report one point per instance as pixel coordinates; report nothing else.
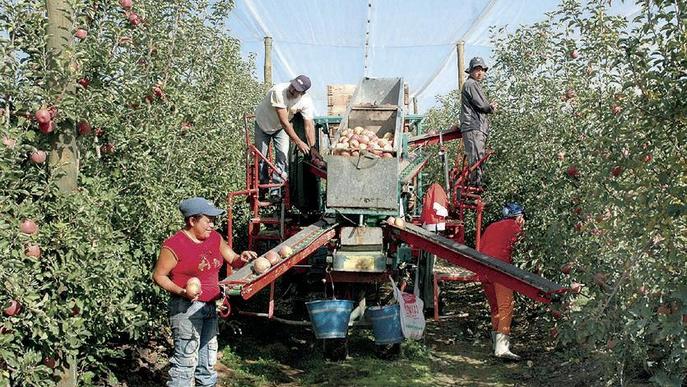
(386, 323)
(330, 318)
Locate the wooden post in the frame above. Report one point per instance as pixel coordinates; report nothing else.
(64, 155)
(268, 61)
(460, 54)
(414, 105)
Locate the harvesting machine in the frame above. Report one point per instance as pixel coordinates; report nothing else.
(333, 215)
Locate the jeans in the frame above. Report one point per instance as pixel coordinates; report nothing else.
(281, 149)
(475, 144)
(194, 330)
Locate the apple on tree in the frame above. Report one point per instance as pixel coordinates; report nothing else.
(28, 226)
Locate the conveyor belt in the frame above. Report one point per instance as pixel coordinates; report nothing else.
(246, 283)
(491, 269)
(433, 138)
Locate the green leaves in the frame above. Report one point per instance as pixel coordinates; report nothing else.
(165, 101)
(600, 93)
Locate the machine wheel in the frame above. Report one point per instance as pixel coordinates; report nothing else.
(335, 349)
(388, 351)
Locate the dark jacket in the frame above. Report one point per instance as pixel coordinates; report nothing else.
(474, 108)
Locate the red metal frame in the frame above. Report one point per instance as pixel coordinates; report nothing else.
(252, 164)
(473, 265)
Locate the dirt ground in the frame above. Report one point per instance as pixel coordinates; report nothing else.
(455, 351)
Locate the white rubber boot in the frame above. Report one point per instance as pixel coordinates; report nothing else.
(502, 347)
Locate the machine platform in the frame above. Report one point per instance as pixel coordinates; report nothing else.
(246, 283)
(488, 268)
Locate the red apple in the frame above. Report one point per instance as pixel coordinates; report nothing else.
(272, 257)
(570, 93)
(578, 226)
(81, 33)
(572, 171)
(49, 362)
(616, 109)
(576, 287)
(556, 314)
(99, 132)
(134, 19)
(567, 268)
(126, 4)
(13, 308)
(46, 128)
(159, 91)
(107, 148)
(29, 227)
(574, 54)
(577, 210)
(616, 171)
(9, 142)
(84, 128)
(84, 82)
(38, 156)
(43, 116)
(285, 251)
(553, 332)
(76, 310)
(647, 158)
(193, 286)
(261, 265)
(664, 310)
(33, 251)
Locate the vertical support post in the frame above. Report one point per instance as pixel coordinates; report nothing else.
(479, 204)
(414, 105)
(270, 308)
(64, 155)
(268, 61)
(460, 55)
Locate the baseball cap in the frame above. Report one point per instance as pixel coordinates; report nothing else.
(301, 83)
(198, 206)
(512, 210)
(477, 61)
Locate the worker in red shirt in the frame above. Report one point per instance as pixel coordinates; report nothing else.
(497, 242)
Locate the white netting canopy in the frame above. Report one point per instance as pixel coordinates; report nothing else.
(341, 41)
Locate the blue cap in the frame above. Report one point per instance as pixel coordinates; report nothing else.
(198, 206)
(512, 210)
(301, 83)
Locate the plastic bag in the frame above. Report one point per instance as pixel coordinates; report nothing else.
(412, 312)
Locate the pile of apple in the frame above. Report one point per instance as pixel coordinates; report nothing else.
(352, 142)
(271, 258)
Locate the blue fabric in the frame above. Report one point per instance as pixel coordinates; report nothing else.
(194, 330)
(281, 148)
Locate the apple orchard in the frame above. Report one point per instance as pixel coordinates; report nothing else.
(140, 105)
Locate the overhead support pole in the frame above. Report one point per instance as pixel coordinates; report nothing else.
(268, 61)
(460, 57)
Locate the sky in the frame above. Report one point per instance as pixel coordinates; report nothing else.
(342, 41)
